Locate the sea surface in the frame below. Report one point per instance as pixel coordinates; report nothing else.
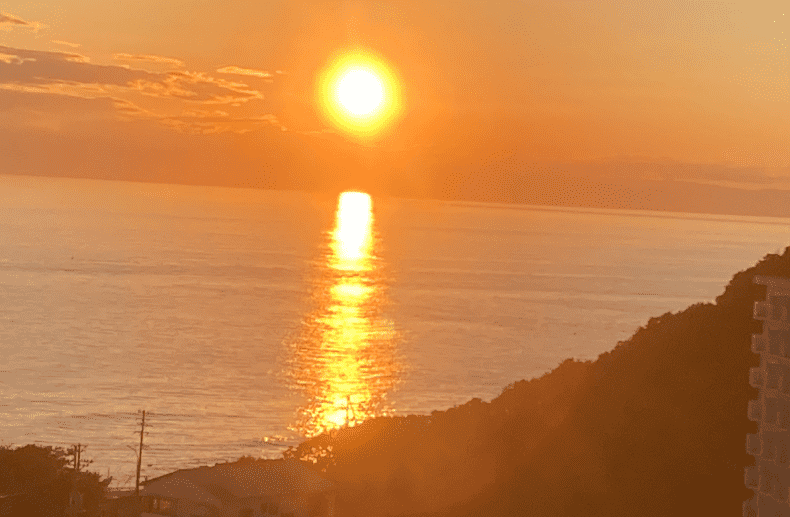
(243, 321)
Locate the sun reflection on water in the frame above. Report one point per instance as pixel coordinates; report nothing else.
(352, 238)
(343, 361)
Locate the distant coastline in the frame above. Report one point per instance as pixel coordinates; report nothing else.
(650, 198)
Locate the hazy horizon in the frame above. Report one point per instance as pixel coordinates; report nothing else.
(616, 104)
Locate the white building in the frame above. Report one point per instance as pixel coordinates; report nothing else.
(262, 488)
(769, 478)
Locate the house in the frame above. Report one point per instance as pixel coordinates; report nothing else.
(247, 488)
(120, 503)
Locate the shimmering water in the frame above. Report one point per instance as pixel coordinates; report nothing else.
(238, 316)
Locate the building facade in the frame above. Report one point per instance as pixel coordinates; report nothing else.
(769, 478)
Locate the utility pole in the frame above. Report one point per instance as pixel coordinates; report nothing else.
(140, 458)
(75, 452)
(75, 498)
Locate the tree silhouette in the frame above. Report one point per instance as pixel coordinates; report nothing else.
(38, 481)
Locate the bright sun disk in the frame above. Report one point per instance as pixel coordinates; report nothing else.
(360, 92)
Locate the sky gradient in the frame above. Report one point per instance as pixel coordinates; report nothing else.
(618, 104)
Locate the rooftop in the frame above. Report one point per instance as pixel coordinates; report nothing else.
(241, 479)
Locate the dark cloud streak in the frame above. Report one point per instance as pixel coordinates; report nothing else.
(8, 18)
(11, 20)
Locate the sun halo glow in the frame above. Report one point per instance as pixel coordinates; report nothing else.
(359, 93)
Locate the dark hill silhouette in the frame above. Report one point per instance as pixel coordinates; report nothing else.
(656, 426)
(395, 465)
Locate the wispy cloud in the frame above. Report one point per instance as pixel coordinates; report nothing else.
(198, 121)
(218, 122)
(66, 43)
(67, 88)
(168, 87)
(186, 101)
(243, 71)
(12, 59)
(148, 58)
(10, 18)
(8, 21)
(42, 69)
(205, 114)
(129, 110)
(77, 58)
(197, 86)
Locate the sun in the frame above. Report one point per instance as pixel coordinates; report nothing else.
(358, 93)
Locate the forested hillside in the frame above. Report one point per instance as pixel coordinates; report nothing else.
(656, 426)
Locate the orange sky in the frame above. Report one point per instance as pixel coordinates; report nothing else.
(206, 92)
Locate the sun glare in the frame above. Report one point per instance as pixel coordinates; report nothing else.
(352, 236)
(359, 93)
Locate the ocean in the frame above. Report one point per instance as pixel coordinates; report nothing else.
(243, 321)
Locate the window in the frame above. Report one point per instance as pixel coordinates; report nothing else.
(159, 505)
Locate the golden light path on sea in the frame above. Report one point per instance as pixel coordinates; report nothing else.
(343, 360)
